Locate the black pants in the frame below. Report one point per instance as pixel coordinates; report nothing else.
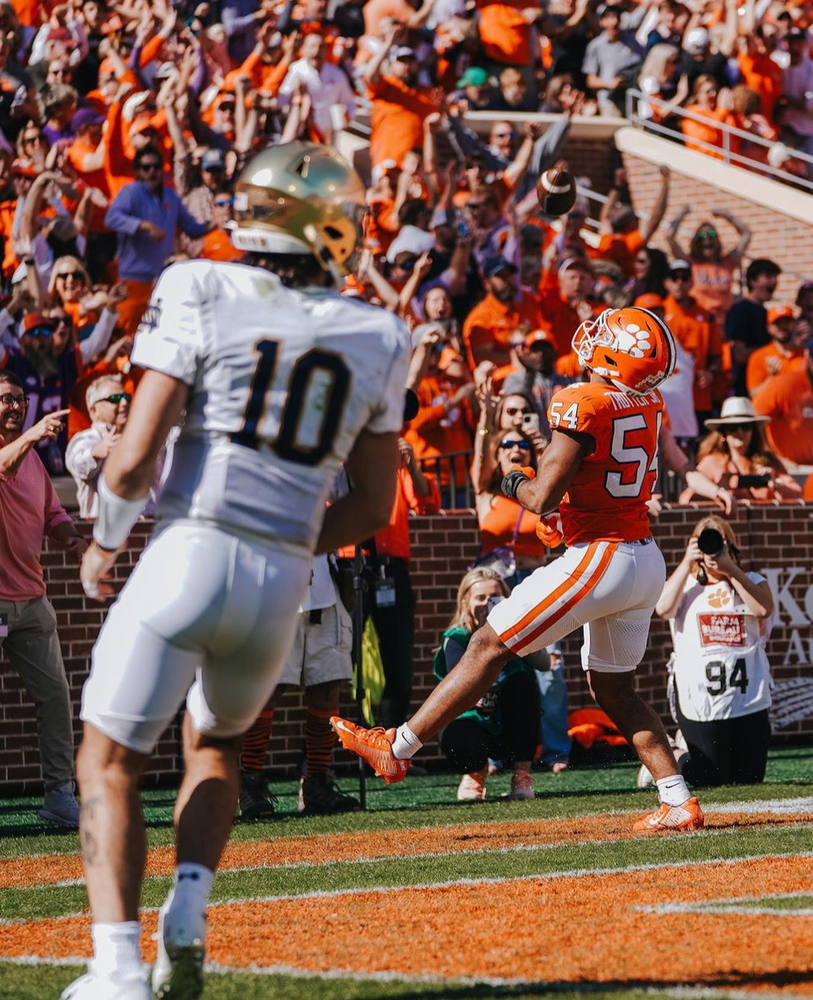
(726, 751)
(395, 626)
(468, 745)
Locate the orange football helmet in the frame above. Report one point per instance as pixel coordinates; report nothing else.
(632, 347)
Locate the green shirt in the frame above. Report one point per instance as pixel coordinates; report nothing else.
(487, 710)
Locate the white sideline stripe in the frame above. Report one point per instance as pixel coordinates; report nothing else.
(451, 884)
(709, 808)
(778, 806)
(679, 992)
(376, 859)
(729, 904)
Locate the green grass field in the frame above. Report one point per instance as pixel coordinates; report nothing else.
(433, 857)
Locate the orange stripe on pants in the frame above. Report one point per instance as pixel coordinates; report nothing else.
(553, 597)
(549, 622)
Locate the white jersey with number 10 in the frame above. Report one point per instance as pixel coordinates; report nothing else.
(282, 383)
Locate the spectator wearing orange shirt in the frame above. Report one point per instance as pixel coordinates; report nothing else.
(399, 10)
(698, 333)
(781, 355)
(565, 307)
(712, 267)
(788, 401)
(444, 424)
(701, 135)
(490, 325)
(506, 30)
(620, 237)
(504, 524)
(217, 244)
(399, 103)
(759, 71)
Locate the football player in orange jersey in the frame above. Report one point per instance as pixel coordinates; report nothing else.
(596, 476)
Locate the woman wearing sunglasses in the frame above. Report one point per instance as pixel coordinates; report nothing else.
(507, 530)
(735, 457)
(712, 266)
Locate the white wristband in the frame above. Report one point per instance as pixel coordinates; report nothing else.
(116, 517)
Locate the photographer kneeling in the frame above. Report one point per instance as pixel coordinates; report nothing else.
(721, 618)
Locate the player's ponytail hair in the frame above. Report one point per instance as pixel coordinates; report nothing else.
(462, 617)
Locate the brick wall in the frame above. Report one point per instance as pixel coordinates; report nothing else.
(775, 539)
(786, 240)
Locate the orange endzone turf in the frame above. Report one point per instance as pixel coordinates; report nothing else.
(601, 932)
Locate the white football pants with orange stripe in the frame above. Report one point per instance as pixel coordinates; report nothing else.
(608, 587)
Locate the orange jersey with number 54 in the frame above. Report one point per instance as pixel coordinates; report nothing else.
(608, 496)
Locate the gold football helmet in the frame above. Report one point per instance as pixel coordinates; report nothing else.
(300, 198)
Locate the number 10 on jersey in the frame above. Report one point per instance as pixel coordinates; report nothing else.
(307, 402)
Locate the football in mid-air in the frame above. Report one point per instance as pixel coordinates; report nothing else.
(556, 190)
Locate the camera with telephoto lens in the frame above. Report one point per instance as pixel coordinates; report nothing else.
(710, 541)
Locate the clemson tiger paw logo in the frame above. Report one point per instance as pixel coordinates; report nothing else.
(719, 597)
(634, 341)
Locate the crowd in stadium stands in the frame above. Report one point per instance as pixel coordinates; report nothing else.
(123, 129)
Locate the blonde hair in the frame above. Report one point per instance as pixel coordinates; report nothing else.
(462, 617)
(656, 59)
(76, 265)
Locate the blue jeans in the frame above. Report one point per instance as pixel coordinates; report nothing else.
(553, 692)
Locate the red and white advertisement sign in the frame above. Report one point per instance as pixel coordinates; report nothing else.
(722, 630)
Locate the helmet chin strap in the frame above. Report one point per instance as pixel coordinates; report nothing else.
(324, 256)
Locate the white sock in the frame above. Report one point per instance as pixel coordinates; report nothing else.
(406, 744)
(193, 883)
(673, 790)
(117, 949)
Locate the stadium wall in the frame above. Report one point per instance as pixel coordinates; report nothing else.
(775, 539)
(782, 236)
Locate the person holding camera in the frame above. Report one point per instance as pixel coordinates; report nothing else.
(504, 724)
(735, 457)
(721, 618)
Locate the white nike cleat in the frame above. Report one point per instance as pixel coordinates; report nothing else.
(93, 986)
(178, 970)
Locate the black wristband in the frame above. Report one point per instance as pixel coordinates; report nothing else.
(511, 483)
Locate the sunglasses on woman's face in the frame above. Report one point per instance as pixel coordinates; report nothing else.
(116, 398)
(508, 445)
(512, 411)
(707, 234)
(76, 275)
(738, 427)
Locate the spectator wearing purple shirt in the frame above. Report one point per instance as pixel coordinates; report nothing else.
(145, 216)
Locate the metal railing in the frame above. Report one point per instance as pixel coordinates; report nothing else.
(725, 150)
(456, 491)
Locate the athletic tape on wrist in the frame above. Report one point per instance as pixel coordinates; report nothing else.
(116, 517)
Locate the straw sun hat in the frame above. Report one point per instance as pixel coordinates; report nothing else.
(736, 410)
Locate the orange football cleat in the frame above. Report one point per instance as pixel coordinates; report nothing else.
(374, 746)
(672, 819)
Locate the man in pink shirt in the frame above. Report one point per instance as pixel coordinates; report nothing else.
(30, 509)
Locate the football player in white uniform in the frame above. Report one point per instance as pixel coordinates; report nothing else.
(281, 380)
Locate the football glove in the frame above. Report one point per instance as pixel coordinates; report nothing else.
(549, 530)
(516, 474)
